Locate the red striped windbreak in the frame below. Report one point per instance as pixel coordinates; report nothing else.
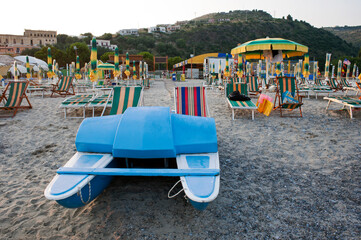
(191, 101)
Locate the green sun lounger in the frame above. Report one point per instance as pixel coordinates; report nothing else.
(349, 103)
(77, 101)
(240, 105)
(12, 100)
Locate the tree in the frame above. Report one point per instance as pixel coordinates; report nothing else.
(30, 51)
(105, 57)
(82, 51)
(148, 58)
(57, 54)
(173, 60)
(106, 36)
(289, 17)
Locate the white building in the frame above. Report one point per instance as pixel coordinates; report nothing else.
(156, 29)
(172, 28)
(105, 44)
(125, 32)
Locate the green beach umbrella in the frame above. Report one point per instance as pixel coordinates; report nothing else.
(240, 66)
(77, 68)
(116, 62)
(106, 66)
(348, 70)
(306, 71)
(15, 71)
(354, 71)
(339, 69)
(220, 70)
(140, 69)
(315, 70)
(93, 61)
(127, 71)
(327, 65)
(27, 68)
(226, 72)
(134, 71)
(50, 66)
(278, 69)
(214, 71)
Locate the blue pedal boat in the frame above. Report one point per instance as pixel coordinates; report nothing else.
(115, 145)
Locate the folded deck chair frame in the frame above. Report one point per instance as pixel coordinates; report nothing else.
(350, 104)
(124, 97)
(63, 86)
(191, 100)
(76, 102)
(287, 84)
(17, 92)
(241, 105)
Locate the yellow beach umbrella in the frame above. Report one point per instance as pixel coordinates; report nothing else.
(93, 61)
(327, 65)
(27, 68)
(15, 71)
(306, 71)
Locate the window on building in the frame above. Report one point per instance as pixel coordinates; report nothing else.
(14, 41)
(40, 42)
(22, 41)
(17, 50)
(31, 34)
(31, 42)
(6, 40)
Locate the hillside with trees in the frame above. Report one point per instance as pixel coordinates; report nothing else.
(216, 32)
(349, 34)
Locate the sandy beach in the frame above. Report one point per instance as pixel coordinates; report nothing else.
(281, 178)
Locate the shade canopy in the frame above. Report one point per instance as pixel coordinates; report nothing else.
(106, 66)
(255, 49)
(33, 61)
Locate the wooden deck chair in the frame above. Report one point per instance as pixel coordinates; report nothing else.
(253, 85)
(334, 84)
(191, 100)
(12, 101)
(77, 101)
(351, 104)
(242, 105)
(100, 101)
(287, 84)
(124, 97)
(63, 86)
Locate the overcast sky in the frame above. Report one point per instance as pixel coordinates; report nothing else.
(74, 17)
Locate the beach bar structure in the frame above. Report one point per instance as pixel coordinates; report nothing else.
(198, 62)
(136, 58)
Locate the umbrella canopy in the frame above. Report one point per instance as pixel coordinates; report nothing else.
(106, 66)
(33, 61)
(15, 70)
(27, 68)
(354, 71)
(140, 69)
(255, 49)
(278, 69)
(93, 61)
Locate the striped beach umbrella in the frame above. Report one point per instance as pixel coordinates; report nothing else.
(220, 70)
(339, 69)
(15, 71)
(348, 71)
(40, 73)
(214, 71)
(27, 68)
(226, 72)
(315, 70)
(327, 65)
(259, 71)
(140, 70)
(50, 64)
(93, 61)
(289, 67)
(240, 66)
(278, 69)
(77, 68)
(306, 71)
(116, 62)
(134, 71)
(127, 72)
(354, 71)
